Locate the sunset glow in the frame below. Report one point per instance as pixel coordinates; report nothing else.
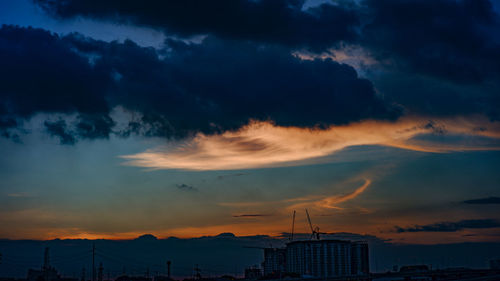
(263, 144)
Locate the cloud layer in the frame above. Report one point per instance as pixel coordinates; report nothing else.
(453, 40)
(270, 21)
(452, 226)
(249, 66)
(264, 144)
(481, 201)
(176, 91)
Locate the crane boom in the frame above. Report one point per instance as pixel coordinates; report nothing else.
(293, 225)
(310, 223)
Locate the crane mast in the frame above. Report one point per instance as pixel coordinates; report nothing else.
(293, 226)
(314, 230)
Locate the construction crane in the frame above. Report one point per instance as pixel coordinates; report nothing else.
(293, 226)
(314, 230)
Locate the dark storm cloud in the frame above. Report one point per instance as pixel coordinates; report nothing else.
(488, 200)
(218, 85)
(59, 129)
(451, 226)
(40, 73)
(87, 126)
(430, 96)
(444, 60)
(7, 124)
(451, 39)
(94, 126)
(454, 40)
(179, 90)
(439, 57)
(272, 21)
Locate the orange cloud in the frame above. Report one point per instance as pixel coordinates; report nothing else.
(312, 201)
(264, 144)
(330, 202)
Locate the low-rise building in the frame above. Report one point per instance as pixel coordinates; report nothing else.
(274, 261)
(253, 273)
(495, 264)
(360, 264)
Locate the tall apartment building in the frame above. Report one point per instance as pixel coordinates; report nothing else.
(359, 258)
(320, 258)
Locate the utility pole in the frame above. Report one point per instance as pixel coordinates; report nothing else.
(46, 263)
(100, 273)
(46, 259)
(93, 262)
(168, 268)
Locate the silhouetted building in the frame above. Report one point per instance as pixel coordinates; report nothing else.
(163, 278)
(360, 263)
(47, 273)
(274, 261)
(43, 275)
(11, 278)
(253, 273)
(319, 258)
(495, 264)
(100, 273)
(132, 278)
(422, 268)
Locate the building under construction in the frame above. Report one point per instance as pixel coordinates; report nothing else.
(327, 258)
(317, 257)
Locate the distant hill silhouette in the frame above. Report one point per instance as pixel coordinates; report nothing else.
(215, 255)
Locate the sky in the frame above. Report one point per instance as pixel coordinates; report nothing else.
(195, 118)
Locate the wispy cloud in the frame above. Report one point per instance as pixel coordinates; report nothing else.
(20, 195)
(488, 200)
(311, 201)
(451, 226)
(244, 204)
(263, 144)
(187, 187)
(332, 201)
(250, 215)
(329, 202)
